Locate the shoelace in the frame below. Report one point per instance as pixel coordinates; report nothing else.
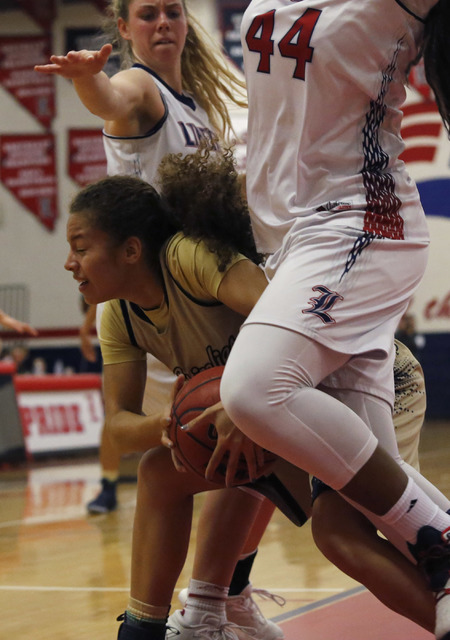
(244, 602)
(267, 595)
(225, 632)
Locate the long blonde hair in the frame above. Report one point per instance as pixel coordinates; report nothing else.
(206, 74)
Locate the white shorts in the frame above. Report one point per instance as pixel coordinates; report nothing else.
(345, 290)
(348, 292)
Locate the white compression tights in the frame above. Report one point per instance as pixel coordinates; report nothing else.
(268, 389)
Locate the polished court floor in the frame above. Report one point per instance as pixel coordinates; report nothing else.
(64, 575)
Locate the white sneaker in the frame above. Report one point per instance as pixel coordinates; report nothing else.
(243, 611)
(211, 628)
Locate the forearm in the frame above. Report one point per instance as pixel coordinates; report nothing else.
(132, 433)
(99, 96)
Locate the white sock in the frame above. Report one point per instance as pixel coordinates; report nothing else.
(414, 510)
(204, 597)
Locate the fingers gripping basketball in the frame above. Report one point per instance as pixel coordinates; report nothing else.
(195, 446)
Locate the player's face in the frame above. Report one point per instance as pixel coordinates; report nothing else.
(157, 31)
(94, 260)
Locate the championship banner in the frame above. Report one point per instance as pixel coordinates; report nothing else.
(86, 156)
(35, 91)
(42, 12)
(230, 17)
(28, 171)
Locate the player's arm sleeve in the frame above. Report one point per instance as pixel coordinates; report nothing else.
(196, 268)
(115, 342)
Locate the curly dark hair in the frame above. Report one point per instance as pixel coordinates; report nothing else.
(436, 57)
(201, 196)
(204, 191)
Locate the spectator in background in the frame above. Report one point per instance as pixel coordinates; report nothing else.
(19, 355)
(17, 326)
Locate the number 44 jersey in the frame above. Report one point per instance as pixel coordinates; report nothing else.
(326, 81)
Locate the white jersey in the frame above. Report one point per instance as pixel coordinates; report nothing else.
(181, 129)
(331, 75)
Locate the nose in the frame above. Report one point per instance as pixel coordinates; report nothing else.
(70, 263)
(163, 21)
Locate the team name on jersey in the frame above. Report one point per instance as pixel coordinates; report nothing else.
(195, 135)
(215, 358)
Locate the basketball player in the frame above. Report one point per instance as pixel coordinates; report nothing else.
(164, 496)
(325, 81)
(168, 99)
(103, 274)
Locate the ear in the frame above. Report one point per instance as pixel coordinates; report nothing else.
(133, 250)
(123, 29)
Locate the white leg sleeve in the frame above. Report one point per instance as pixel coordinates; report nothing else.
(268, 389)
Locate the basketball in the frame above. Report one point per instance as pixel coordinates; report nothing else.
(194, 447)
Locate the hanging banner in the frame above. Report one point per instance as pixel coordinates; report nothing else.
(86, 156)
(230, 18)
(28, 171)
(35, 91)
(42, 12)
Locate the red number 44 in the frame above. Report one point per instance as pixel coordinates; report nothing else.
(294, 44)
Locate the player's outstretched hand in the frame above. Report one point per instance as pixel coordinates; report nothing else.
(77, 64)
(16, 325)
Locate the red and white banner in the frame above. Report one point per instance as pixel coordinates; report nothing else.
(28, 171)
(34, 91)
(87, 160)
(43, 12)
(60, 413)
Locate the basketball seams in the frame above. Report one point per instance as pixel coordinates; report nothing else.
(195, 389)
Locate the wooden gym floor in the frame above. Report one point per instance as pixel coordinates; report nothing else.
(64, 575)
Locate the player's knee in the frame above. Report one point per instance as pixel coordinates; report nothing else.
(244, 398)
(154, 465)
